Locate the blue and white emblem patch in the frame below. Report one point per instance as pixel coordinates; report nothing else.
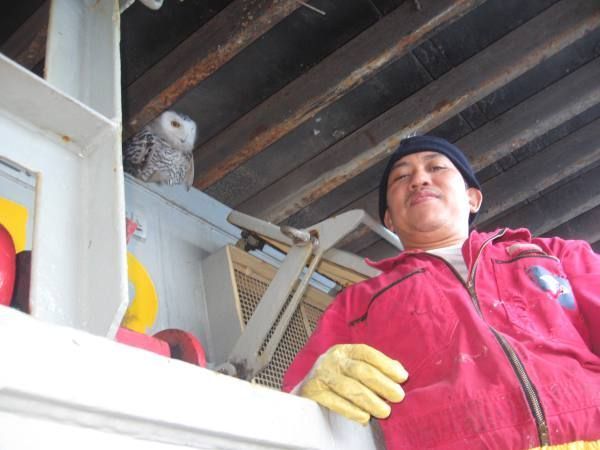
(555, 286)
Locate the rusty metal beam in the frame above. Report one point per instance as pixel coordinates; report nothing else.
(200, 55)
(565, 158)
(540, 215)
(27, 45)
(379, 249)
(503, 61)
(555, 208)
(359, 60)
(548, 109)
(583, 227)
(358, 241)
(551, 107)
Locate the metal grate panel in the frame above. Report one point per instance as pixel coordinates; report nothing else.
(311, 316)
(250, 290)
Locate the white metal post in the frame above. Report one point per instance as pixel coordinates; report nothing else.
(82, 53)
(67, 132)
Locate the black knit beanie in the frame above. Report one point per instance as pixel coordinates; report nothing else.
(422, 144)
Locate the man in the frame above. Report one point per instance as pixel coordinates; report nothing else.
(487, 340)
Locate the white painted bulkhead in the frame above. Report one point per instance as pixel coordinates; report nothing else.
(65, 383)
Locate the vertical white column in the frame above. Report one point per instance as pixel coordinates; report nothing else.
(68, 132)
(82, 54)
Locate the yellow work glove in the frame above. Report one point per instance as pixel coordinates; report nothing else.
(354, 380)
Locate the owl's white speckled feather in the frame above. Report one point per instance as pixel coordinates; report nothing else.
(162, 152)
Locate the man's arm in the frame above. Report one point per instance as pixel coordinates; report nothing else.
(354, 380)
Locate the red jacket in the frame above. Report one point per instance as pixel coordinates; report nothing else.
(509, 359)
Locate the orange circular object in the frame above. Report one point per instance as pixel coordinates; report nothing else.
(7, 266)
(184, 346)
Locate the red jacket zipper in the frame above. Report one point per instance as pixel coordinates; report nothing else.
(529, 389)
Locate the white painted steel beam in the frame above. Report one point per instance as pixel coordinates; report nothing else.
(79, 273)
(82, 53)
(75, 390)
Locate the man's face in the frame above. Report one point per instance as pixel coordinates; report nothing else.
(427, 194)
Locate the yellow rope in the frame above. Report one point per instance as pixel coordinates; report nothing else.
(578, 445)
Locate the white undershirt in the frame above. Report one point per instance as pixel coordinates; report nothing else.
(453, 255)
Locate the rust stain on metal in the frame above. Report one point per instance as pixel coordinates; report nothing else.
(370, 137)
(66, 138)
(27, 45)
(443, 106)
(439, 112)
(324, 184)
(309, 108)
(519, 142)
(263, 137)
(190, 79)
(354, 236)
(289, 206)
(34, 53)
(256, 22)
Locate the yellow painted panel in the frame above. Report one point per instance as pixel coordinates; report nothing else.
(14, 218)
(143, 308)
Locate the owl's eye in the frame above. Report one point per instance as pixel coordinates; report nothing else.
(175, 124)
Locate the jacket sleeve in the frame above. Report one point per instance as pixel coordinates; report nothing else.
(331, 329)
(582, 267)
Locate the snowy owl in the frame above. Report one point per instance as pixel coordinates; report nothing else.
(162, 152)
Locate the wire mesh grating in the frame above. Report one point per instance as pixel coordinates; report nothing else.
(312, 316)
(250, 290)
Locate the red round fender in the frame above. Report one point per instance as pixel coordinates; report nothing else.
(143, 341)
(184, 346)
(7, 266)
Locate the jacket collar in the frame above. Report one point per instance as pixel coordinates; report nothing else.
(469, 249)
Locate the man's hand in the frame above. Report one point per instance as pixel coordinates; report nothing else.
(354, 380)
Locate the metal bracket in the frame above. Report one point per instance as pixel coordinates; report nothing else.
(250, 241)
(247, 359)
